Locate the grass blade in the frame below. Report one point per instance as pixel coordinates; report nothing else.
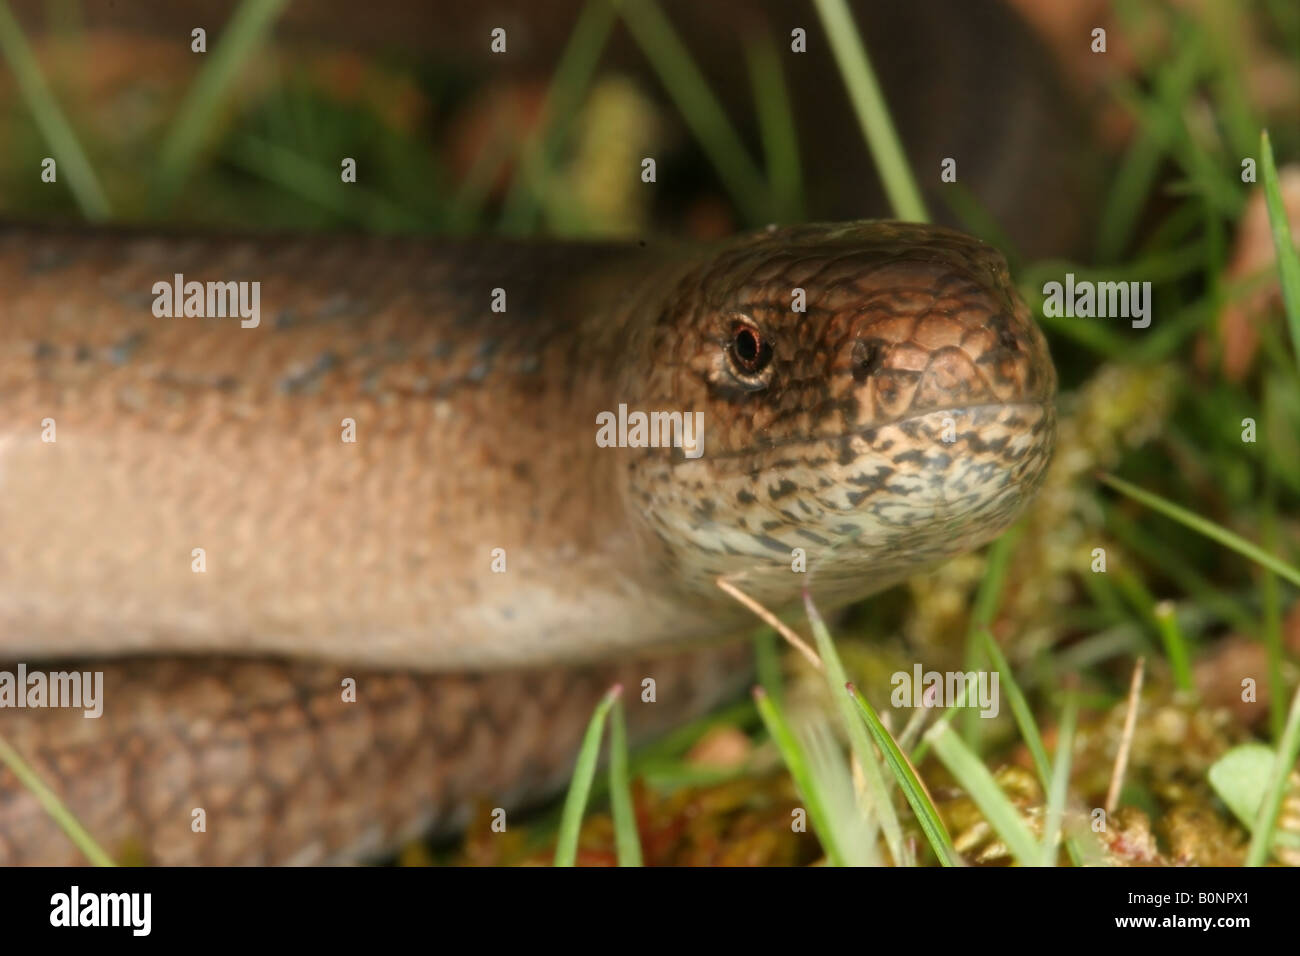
(247, 28)
(1288, 261)
(1019, 708)
(858, 739)
(1171, 635)
(913, 789)
(1271, 629)
(70, 157)
(793, 756)
(873, 114)
(699, 107)
(975, 779)
(954, 708)
(987, 600)
(584, 771)
(626, 838)
(776, 126)
(53, 806)
(1028, 726)
(300, 176)
(569, 83)
(1208, 528)
(1058, 786)
(1288, 748)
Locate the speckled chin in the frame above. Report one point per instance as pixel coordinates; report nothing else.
(864, 510)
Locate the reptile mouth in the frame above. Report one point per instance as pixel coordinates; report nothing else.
(868, 432)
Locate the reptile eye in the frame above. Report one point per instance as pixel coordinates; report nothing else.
(867, 357)
(749, 352)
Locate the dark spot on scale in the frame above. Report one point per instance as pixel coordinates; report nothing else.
(913, 457)
(522, 470)
(812, 536)
(785, 487)
(847, 455)
(336, 306)
(772, 544)
(857, 497)
(44, 350)
(82, 352)
(773, 524)
(47, 259)
(998, 445)
(121, 353)
(867, 357)
(295, 382)
(873, 480)
(745, 498)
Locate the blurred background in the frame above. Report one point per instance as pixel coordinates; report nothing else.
(1115, 156)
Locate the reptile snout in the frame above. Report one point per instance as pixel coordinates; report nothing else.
(928, 334)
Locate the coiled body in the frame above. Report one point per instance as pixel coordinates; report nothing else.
(394, 477)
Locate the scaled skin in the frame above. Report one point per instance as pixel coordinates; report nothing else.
(903, 417)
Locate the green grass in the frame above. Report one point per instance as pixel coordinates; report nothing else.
(860, 743)
(699, 107)
(1058, 786)
(918, 798)
(199, 114)
(1190, 500)
(68, 154)
(1288, 261)
(1288, 750)
(819, 815)
(965, 765)
(49, 800)
(575, 804)
(872, 112)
